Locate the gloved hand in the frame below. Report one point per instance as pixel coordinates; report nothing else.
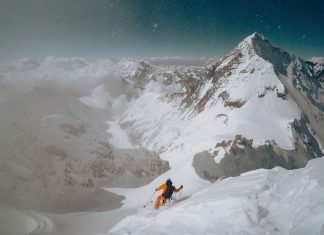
(156, 190)
(181, 186)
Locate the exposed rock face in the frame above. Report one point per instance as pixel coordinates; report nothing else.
(206, 167)
(240, 156)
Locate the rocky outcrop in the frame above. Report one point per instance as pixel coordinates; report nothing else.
(240, 156)
(206, 167)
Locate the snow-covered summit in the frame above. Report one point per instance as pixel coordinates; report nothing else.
(257, 44)
(248, 96)
(251, 39)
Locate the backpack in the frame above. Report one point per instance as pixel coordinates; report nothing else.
(169, 191)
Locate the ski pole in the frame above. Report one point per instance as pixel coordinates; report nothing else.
(149, 199)
(180, 194)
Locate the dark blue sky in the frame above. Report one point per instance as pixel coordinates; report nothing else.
(142, 28)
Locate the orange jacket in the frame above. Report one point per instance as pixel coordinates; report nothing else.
(164, 188)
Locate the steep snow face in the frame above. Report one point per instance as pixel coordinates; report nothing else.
(250, 93)
(276, 201)
(242, 96)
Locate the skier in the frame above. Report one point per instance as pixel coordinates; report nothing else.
(167, 190)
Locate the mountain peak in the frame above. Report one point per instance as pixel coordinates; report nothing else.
(257, 44)
(252, 40)
(255, 36)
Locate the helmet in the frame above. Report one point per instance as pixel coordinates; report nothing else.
(168, 182)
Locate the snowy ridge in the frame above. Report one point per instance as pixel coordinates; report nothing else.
(247, 43)
(274, 201)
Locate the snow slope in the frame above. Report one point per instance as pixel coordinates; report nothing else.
(276, 201)
(178, 131)
(158, 122)
(241, 94)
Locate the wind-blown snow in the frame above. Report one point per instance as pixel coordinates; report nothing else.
(118, 137)
(100, 98)
(276, 201)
